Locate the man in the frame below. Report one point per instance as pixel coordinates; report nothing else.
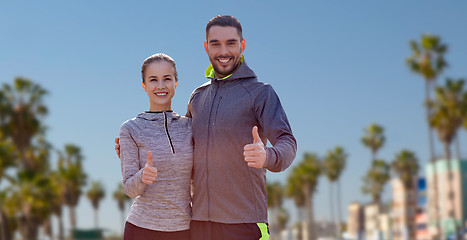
(233, 115)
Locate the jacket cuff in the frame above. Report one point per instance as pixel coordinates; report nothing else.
(271, 159)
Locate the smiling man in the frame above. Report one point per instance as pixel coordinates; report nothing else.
(233, 116)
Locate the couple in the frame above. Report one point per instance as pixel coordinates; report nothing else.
(217, 149)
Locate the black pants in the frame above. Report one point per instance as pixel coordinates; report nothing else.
(133, 232)
(214, 231)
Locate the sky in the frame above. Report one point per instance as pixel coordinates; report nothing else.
(336, 66)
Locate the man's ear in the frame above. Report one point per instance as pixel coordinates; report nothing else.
(143, 85)
(206, 46)
(176, 84)
(243, 45)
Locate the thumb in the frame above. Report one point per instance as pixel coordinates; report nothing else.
(256, 138)
(150, 159)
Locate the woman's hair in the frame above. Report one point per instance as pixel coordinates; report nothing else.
(157, 58)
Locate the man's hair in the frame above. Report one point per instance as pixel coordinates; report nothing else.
(224, 21)
(158, 57)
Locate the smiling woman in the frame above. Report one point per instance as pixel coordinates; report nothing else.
(161, 187)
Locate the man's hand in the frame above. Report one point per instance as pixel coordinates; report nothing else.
(149, 172)
(255, 153)
(117, 146)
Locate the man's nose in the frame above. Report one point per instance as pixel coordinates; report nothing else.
(224, 49)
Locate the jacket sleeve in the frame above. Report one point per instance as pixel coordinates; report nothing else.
(276, 128)
(131, 171)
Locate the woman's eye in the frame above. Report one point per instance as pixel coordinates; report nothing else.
(168, 79)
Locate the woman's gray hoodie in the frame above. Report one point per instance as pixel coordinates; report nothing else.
(165, 204)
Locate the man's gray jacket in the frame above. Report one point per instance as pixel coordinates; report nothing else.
(223, 114)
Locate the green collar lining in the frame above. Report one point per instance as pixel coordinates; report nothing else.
(210, 71)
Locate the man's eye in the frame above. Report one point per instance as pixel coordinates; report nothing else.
(168, 79)
(153, 80)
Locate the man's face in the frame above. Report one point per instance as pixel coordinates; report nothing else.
(224, 49)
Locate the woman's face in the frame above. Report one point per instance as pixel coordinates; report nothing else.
(159, 83)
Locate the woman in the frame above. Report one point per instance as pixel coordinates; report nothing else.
(156, 153)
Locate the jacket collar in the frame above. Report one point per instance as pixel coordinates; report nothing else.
(156, 116)
(242, 72)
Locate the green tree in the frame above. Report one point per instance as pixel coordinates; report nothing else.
(275, 194)
(428, 61)
(58, 189)
(449, 110)
(25, 108)
(333, 165)
(405, 167)
(120, 196)
(74, 178)
(374, 139)
(375, 180)
(95, 194)
(301, 185)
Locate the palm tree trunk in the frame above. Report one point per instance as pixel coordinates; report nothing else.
(95, 218)
(60, 227)
(310, 219)
(452, 193)
(339, 210)
(123, 221)
(331, 202)
(3, 226)
(458, 151)
(433, 162)
(72, 221)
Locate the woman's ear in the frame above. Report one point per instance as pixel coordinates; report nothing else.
(143, 85)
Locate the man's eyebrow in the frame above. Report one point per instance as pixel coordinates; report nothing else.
(167, 75)
(213, 40)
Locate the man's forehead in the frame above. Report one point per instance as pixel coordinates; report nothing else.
(223, 33)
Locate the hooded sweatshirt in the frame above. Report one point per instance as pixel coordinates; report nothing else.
(224, 113)
(165, 204)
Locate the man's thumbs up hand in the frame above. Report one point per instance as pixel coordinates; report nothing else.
(255, 153)
(149, 172)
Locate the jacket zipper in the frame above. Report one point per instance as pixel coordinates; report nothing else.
(167, 133)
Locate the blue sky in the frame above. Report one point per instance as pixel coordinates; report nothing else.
(337, 67)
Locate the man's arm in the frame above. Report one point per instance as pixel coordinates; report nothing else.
(276, 129)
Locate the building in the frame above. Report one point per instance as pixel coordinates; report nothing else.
(404, 209)
(355, 221)
(451, 197)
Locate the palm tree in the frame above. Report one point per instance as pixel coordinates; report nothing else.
(374, 139)
(406, 167)
(70, 167)
(333, 165)
(427, 60)
(294, 190)
(302, 185)
(275, 194)
(121, 198)
(95, 194)
(449, 110)
(25, 107)
(58, 189)
(375, 179)
(29, 199)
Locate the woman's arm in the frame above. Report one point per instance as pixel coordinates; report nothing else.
(131, 170)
